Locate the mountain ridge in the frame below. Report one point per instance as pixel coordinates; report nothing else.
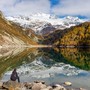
(12, 34)
(74, 36)
(41, 22)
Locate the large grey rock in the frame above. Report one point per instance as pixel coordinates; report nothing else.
(13, 85)
(68, 83)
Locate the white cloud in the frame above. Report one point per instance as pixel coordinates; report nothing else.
(24, 7)
(72, 7)
(27, 7)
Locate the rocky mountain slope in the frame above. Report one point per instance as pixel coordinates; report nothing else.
(11, 34)
(75, 36)
(45, 23)
(45, 29)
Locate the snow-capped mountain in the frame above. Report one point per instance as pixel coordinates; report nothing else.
(45, 23)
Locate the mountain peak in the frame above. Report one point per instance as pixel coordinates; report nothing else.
(42, 15)
(73, 18)
(38, 22)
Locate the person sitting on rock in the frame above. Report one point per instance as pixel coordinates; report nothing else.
(14, 76)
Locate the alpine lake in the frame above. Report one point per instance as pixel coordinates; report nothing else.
(52, 65)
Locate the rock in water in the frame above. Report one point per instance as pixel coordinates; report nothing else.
(68, 83)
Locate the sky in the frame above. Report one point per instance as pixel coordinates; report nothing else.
(60, 8)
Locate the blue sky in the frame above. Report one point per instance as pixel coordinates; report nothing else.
(60, 8)
(54, 2)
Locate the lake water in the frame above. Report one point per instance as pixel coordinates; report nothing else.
(53, 65)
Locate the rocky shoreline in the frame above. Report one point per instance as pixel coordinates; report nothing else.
(36, 85)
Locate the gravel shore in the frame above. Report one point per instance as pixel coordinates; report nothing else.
(36, 85)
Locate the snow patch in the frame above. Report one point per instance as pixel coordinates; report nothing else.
(38, 22)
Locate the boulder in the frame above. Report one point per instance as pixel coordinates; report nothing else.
(68, 83)
(82, 89)
(38, 86)
(28, 85)
(13, 85)
(47, 88)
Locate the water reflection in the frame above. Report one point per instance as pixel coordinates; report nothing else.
(48, 64)
(11, 58)
(45, 62)
(77, 57)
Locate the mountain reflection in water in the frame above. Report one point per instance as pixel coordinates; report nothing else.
(11, 58)
(45, 62)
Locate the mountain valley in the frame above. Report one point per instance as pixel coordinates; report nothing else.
(44, 29)
(12, 35)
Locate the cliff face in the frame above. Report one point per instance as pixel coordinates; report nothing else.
(12, 34)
